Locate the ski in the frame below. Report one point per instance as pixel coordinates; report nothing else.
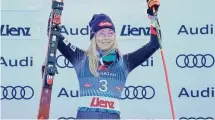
(49, 68)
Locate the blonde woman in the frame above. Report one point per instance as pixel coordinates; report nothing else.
(102, 70)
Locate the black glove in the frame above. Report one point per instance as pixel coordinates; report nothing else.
(152, 4)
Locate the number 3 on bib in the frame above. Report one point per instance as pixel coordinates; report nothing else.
(104, 87)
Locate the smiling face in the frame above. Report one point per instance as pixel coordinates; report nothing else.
(105, 39)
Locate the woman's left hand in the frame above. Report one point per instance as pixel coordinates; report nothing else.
(154, 4)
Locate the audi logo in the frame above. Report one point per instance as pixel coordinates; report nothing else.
(17, 92)
(62, 62)
(138, 92)
(66, 118)
(196, 118)
(198, 61)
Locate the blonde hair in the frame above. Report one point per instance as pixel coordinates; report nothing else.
(93, 58)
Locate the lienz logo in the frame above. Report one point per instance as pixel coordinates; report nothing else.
(7, 30)
(17, 62)
(126, 30)
(204, 93)
(208, 29)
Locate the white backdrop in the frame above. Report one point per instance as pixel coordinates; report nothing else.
(178, 19)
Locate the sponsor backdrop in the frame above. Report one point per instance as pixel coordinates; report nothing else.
(188, 29)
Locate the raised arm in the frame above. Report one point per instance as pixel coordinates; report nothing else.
(134, 59)
(71, 52)
(139, 56)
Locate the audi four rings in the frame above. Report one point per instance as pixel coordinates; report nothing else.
(138, 92)
(182, 118)
(17, 92)
(198, 61)
(196, 118)
(62, 62)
